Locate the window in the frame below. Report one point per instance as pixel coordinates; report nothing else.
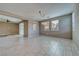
(34, 27)
(55, 25)
(45, 26)
(21, 28)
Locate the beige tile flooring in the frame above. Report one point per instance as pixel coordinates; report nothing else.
(37, 46)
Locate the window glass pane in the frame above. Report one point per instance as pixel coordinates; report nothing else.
(45, 26)
(55, 25)
(34, 27)
(21, 28)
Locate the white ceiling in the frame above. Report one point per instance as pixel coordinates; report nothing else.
(30, 11)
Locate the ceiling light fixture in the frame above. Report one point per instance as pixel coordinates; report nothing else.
(41, 13)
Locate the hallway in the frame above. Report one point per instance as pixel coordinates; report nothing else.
(37, 46)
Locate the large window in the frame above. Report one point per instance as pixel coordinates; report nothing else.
(21, 28)
(52, 25)
(45, 26)
(55, 25)
(34, 26)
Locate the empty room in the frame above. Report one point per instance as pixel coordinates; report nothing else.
(39, 29)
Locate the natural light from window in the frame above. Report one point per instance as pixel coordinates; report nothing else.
(55, 25)
(45, 25)
(34, 27)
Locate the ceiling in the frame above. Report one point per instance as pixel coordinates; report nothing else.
(9, 19)
(30, 11)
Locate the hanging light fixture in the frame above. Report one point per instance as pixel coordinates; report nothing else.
(41, 13)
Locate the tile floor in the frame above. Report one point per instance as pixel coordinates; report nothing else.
(37, 46)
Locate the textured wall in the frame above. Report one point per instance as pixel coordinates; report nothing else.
(8, 28)
(65, 27)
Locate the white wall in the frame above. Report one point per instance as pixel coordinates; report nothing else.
(76, 24)
(65, 27)
(31, 32)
